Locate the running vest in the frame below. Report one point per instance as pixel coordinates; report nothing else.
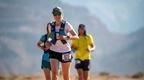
(55, 33)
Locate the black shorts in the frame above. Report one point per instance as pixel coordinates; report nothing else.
(62, 57)
(84, 65)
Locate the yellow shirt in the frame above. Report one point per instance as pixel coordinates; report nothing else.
(82, 45)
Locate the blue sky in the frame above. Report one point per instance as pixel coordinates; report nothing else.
(120, 16)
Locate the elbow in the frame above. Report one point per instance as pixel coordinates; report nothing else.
(93, 47)
(74, 37)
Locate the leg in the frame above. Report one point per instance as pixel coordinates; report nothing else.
(54, 68)
(85, 75)
(46, 69)
(66, 70)
(86, 68)
(47, 74)
(80, 74)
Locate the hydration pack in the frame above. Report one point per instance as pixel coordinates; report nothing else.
(55, 33)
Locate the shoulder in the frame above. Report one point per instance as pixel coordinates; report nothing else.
(43, 36)
(68, 26)
(89, 36)
(67, 23)
(50, 23)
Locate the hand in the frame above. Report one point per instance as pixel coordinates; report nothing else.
(45, 49)
(74, 47)
(68, 37)
(61, 37)
(47, 45)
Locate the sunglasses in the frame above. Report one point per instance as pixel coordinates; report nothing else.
(57, 14)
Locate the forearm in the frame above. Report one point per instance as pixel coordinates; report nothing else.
(74, 47)
(39, 45)
(91, 47)
(73, 37)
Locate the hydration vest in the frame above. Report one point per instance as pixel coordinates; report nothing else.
(54, 33)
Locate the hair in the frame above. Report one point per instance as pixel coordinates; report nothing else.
(82, 25)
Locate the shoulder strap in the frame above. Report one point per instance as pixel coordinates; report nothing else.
(52, 34)
(63, 25)
(62, 31)
(62, 28)
(52, 24)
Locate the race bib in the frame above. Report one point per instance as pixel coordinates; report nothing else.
(66, 57)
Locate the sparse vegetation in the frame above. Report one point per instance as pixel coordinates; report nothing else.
(104, 74)
(138, 75)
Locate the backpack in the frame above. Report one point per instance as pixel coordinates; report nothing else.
(53, 33)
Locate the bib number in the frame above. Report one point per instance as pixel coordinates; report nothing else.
(66, 57)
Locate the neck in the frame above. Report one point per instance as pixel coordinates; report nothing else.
(81, 35)
(58, 23)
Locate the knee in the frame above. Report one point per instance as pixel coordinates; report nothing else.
(54, 72)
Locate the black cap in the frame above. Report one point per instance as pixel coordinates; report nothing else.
(57, 11)
(81, 25)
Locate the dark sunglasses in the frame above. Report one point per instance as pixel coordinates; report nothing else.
(57, 14)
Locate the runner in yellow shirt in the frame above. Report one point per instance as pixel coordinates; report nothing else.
(83, 47)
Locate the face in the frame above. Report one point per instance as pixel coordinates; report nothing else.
(57, 16)
(81, 30)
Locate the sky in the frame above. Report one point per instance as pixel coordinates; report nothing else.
(120, 16)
